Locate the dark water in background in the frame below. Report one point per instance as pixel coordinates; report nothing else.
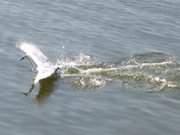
(108, 30)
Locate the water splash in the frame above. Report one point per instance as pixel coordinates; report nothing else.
(152, 68)
(80, 60)
(89, 82)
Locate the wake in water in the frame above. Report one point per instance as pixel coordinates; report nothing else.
(155, 69)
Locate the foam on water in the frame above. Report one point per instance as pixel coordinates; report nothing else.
(151, 68)
(89, 82)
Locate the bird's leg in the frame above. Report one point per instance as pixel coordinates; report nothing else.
(29, 91)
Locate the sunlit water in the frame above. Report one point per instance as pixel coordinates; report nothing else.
(109, 33)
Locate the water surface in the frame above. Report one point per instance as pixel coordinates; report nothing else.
(109, 31)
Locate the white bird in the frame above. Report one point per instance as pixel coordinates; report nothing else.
(44, 67)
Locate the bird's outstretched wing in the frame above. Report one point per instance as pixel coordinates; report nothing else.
(34, 53)
(44, 67)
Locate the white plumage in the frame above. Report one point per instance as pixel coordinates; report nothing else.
(44, 67)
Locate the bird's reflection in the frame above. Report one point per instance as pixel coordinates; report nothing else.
(46, 88)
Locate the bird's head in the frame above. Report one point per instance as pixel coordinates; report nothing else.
(58, 70)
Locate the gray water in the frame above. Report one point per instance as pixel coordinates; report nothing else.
(109, 31)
